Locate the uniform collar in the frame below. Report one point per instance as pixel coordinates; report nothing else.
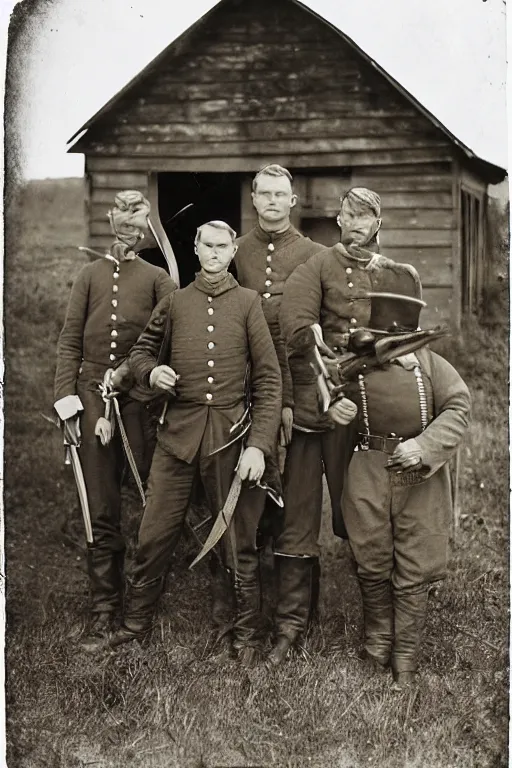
(360, 256)
(277, 238)
(215, 289)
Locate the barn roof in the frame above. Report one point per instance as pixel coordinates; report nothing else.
(493, 173)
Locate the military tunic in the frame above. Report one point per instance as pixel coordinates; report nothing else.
(264, 261)
(108, 308)
(329, 289)
(209, 334)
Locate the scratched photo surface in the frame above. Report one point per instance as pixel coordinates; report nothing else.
(184, 103)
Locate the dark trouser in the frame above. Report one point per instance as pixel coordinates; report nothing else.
(399, 538)
(170, 487)
(103, 469)
(296, 543)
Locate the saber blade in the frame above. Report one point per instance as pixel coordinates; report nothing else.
(223, 520)
(82, 491)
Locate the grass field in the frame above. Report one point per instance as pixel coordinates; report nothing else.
(169, 704)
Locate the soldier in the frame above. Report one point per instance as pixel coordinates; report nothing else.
(209, 332)
(397, 502)
(266, 257)
(327, 290)
(110, 304)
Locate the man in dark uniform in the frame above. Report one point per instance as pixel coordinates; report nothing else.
(266, 257)
(326, 290)
(110, 304)
(214, 335)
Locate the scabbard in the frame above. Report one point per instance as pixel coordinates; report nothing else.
(82, 491)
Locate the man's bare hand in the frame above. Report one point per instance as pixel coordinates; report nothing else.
(252, 464)
(286, 426)
(104, 430)
(163, 377)
(406, 456)
(343, 412)
(119, 375)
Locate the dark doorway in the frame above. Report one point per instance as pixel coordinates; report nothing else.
(209, 196)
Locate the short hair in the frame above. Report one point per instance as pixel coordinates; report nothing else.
(272, 170)
(217, 225)
(363, 197)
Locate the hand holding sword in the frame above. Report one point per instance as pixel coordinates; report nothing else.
(164, 377)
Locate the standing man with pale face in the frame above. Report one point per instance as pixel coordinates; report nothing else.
(331, 289)
(266, 257)
(210, 347)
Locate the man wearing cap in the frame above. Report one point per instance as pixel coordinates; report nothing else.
(413, 412)
(329, 289)
(111, 302)
(208, 344)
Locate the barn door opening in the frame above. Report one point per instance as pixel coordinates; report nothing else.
(187, 200)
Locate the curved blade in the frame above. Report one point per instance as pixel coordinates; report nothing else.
(167, 253)
(223, 519)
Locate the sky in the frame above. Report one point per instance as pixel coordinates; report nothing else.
(75, 55)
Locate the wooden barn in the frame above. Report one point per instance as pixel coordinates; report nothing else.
(259, 81)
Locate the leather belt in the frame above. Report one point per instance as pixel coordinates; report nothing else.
(378, 443)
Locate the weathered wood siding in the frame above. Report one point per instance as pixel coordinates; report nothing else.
(102, 187)
(418, 227)
(263, 79)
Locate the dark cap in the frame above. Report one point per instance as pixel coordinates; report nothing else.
(394, 312)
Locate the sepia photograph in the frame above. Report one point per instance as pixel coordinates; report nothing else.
(255, 384)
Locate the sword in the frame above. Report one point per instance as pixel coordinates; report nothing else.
(223, 520)
(71, 457)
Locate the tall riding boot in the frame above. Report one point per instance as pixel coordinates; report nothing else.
(410, 614)
(295, 579)
(223, 605)
(248, 619)
(378, 620)
(140, 607)
(105, 569)
(106, 580)
(316, 574)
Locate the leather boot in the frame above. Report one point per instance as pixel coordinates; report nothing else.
(378, 621)
(410, 609)
(223, 607)
(247, 628)
(295, 578)
(98, 630)
(140, 606)
(106, 579)
(314, 616)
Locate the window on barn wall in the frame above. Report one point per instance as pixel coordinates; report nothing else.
(472, 249)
